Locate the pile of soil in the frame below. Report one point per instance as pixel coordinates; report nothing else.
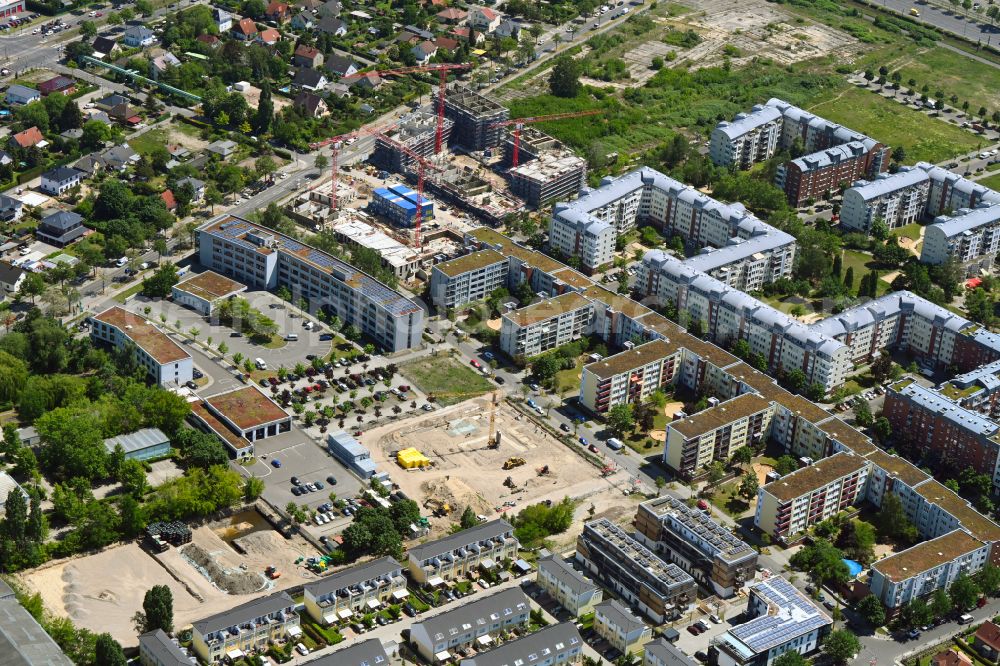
(230, 582)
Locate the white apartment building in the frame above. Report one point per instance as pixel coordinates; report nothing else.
(897, 199)
(950, 192)
(568, 587)
(546, 325)
(747, 139)
(359, 589)
(246, 628)
(928, 566)
(457, 555)
(576, 234)
(468, 279)
(629, 376)
(972, 237)
(166, 362)
(555, 645)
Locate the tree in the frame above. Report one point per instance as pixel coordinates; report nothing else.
(32, 286)
(964, 592)
(882, 429)
(862, 413)
(749, 485)
(199, 449)
(715, 472)
(468, 518)
(857, 540)
(160, 283)
(564, 81)
(849, 278)
(786, 464)
(790, 658)
(870, 608)
(321, 162)
(742, 456)
(158, 609)
(15, 522)
(253, 488)
(841, 645)
(88, 29)
(620, 419)
(892, 523)
(108, 652)
(940, 603)
(989, 579)
(823, 562)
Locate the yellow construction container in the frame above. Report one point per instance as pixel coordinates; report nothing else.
(410, 458)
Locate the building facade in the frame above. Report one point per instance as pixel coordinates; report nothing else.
(620, 628)
(468, 279)
(359, 589)
(897, 199)
(630, 376)
(568, 587)
(165, 361)
(248, 627)
(970, 236)
(538, 328)
(457, 555)
(476, 623)
(555, 645)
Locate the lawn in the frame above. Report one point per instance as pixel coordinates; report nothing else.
(146, 143)
(924, 138)
(863, 263)
(447, 378)
(727, 499)
(123, 296)
(911, 231)
(947, 71)
(568, 380)
(993, 182)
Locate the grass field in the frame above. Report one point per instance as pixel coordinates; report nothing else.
(568, 380)
(445, 375)
(924, 138)
(146, 143)
(863, 263)
(992, 182)
(911, 231)
(947, 71)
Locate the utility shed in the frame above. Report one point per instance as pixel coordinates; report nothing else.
(141, 444)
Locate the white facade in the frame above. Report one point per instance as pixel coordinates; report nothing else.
(898, 199)
(166, 362)
(972, 237)
(546, 325)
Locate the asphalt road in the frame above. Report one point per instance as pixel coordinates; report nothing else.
(946, 19)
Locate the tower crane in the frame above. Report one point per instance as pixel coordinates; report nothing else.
(442, 69)
(492, 442)
(519, 124)
(422, 164)
(335, 143)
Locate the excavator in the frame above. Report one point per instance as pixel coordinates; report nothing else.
(511, 463)
(439, 507)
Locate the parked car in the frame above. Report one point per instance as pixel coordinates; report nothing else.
(332, 480)
(475, 364)
(275, 463)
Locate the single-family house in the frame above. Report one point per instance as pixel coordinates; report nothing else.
(277, 12)
(340, 65)
(89, 165)
(311, 104)
(419, 32)
(452, 15)
(109, 102)
(309, 79)
(168, 200)
(74, 133)
(59, 180)
(310, 5)
(424, 51)
(987, 640)
(178, 152)
(245, 30)
(104, 46)
(125, 114)
(446, 43)
(208, 40)
(223, 19)
(508, 28)
(197, 187)
(406, 38)
(62, 85)
(465, 34)
(332, 26)
(222, 148)
(338, 90)
(367, 80)
(138, 36)
(60, 228)
(304, 20)
(329, 9)
(951, 657)
(483, 19)
(163, 62)
(29, 138)
(269, 36)
(307, 56)
(11, 209)
(18, 95)
(120, 157)
(11, 277)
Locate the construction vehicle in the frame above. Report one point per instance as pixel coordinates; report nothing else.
(272, 572)
(509, 482)
(543, 470)
(608, 470)
(493, 438)
(440, 508)
(511, 463)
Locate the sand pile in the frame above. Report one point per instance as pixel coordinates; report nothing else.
(229, 581)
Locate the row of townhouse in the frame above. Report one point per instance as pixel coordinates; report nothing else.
(739, 248)
(359, 589)
(476, 624)
(458, 555)
(833, 154)
(555, 645)
(266, 259)
(246, 628)
(658, 589)
(576, 593)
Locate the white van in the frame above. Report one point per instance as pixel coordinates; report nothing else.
(292, 337)
(965, 619)
(121, 262)
(259, 362)
(615, 444)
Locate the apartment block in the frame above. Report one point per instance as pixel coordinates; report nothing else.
(438, 639)
(782, 619)
(457, 555)
(620, 627)
(950, 192)
(815, 175)
(165, 361)
(748, 139)
(692, 540)
(811, 494)
(468, 279)
(555, 645)
(359, 589)
(550, 177)
(897, 199)
(476, 118)
(716, 433)
(248, 627)
(575, 234)
(971, 236)
(928, 566)
(265, 259)
(942, 430)
(658, 589)
(630, 376)
(568, 587)
(545, 325)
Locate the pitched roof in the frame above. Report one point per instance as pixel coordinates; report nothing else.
(989, 634)
(446, 544)
(487, 13)
(62, 173)
(244, 613)
(168, 199)
(452, 14)
(308, 101)
(56, 83)
(339, 64)
(246, 26)
(104, 45)
(446, 43)
(331, 25)
(28, 137)
(306, 51)
(9, 273)
(352, 576)
(308, 77)
(269, 36)
(206, 38)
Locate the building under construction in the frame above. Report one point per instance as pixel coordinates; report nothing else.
(416, 131)
(474, 116)
(553, 175)
(533, 143)
(466, 189)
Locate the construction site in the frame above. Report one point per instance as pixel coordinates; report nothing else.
(226, 563)
(461, 466)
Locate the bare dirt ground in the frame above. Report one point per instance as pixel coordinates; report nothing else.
(466, 473)
(495, 324)
(658, 435)
(102, 592)
(672, 408)
(762, 470)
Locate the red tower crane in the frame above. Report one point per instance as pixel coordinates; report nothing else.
(519, 124)
(422, 163)
(442, 69)
(335, 143)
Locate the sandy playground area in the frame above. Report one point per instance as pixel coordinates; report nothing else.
(102, 592)
(465, 473)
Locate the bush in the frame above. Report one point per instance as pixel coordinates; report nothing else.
(282, 153)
